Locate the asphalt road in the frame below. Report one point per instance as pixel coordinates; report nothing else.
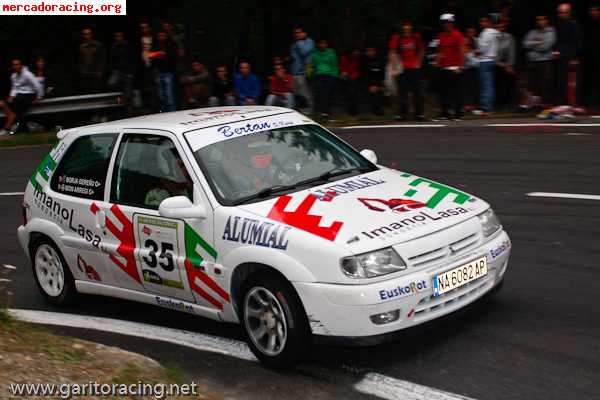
(539, 338)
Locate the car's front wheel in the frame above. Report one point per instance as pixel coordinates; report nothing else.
(274, 320)
(51, 272)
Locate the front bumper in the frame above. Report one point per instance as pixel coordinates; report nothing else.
(345, 310)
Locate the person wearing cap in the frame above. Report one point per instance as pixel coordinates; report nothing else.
(450, 59)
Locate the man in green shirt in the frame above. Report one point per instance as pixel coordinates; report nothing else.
(325, 67)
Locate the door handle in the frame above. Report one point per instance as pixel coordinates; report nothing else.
(101, 219)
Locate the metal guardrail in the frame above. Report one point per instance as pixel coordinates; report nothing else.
(86, 102)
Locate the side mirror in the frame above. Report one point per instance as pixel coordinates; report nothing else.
(369, 155)
(180, 207)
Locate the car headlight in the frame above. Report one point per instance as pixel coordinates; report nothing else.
(489, 222)
(375, 263)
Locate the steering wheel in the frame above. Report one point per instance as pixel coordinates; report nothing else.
(291, 168)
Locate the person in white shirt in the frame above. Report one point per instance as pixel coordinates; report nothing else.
(487, 49)
(25, 91)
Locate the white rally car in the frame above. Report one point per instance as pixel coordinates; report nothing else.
(257, 216)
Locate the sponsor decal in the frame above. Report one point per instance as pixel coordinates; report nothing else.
(302, 219)
(87, 269)
(251, 127)
(396, 205)
(418, 219)
(255, 232)
(402, 290)
(44, 169)
(64, 216)
(126, 237)
(195, 248)
(498, 251)
(351, 185)
(207, 116)
(442, 191)
(174, 305)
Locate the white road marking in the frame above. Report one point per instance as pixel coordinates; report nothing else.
(577, 134)
(382, 386)
(567, 124)
(12, 193)
(565, 195)
(8, 266)
(4, 280)
(194, 340)
(394, 126)
(389, 388)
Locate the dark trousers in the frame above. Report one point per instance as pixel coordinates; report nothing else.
(324, 89)
(451, 93)
(562, 81)
(350, 90)
(375, 100)
(540, 80)
(505, 88)
(470, 87)
(410, 81)
(592, 81)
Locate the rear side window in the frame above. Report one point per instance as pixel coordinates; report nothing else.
(82, 170)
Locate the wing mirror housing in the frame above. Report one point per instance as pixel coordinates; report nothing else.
(181, 207)
(369, 155)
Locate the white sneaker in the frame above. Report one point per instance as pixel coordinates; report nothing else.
(4, 132)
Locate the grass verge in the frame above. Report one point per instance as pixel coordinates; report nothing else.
(28, 139)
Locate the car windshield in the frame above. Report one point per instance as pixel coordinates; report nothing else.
(269, 163)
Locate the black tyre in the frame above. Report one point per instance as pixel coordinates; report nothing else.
(274, 320)
(51, 272)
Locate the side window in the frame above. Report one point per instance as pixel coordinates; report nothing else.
(148, 170)
(82, 170)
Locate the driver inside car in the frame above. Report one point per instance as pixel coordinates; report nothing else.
(251, 167)
(176, 181)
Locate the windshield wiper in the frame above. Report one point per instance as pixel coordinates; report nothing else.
(266, 192)
(324, 177)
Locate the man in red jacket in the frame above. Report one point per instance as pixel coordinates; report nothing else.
(450, 60)
(409, 51)
(280, 88)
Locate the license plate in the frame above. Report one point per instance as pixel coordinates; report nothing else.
(459, 276)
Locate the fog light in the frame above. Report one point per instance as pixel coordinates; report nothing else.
(385, 318)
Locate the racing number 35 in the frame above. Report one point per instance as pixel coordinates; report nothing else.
(166, 255)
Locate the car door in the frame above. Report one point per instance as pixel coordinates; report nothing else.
(78, 182)
(147, 251)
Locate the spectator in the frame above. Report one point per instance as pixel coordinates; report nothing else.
(25, 90)
(148, 73)
(197, 85)
(325, 65)
(539, 44)
(223, 91)
(566, 52)
(593, 58)
(471, 71)
(374, 76)
(39, 70)
(92, 60)
(301, 53)
(280, 88)
(409, 49)
(450, 59)
(247, 86)
(349, 77)
(123, 65)
(164, 60)
(505, 65)
(487, 46)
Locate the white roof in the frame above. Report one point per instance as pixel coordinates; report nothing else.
(180, 122)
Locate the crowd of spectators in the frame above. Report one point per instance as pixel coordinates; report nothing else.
(475, 71)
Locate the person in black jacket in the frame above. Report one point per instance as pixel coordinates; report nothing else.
(373, 75)
(164, 60)
(566, 50)
(123, 64)
(223, 93)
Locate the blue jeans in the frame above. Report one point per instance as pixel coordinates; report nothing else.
(486, 80)
(165, 91)
(285, 100)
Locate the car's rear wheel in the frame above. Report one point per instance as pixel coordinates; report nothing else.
(52, 275)
(274, 320)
